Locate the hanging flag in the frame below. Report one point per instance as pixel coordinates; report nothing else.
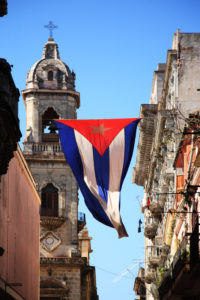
(99, 153)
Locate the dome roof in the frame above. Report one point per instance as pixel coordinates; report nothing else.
(50, 72)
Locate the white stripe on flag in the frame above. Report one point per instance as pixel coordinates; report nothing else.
(86, 153)
(116, 160)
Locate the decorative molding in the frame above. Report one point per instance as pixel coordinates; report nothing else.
(50, 241)
(75, 261)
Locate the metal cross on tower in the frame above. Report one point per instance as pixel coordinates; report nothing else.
(51, 27)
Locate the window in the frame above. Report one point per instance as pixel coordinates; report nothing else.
(50, 75)
(49, 205)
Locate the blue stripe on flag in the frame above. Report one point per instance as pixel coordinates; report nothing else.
(101, 165)
(73, 158)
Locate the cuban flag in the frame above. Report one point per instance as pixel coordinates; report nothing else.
(99, 153)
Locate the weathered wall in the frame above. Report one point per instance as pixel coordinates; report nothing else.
(19, 228)
(70, 278)
(188, 68)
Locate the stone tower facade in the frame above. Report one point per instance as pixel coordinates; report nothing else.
(50, 94)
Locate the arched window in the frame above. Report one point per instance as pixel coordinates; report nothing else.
(49, 205)
(49, 130)
(50, 75)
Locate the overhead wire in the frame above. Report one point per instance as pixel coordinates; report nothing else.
(109, 272)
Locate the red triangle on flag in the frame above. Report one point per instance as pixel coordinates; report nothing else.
(100, 133)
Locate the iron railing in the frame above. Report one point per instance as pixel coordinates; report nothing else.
(81, 217)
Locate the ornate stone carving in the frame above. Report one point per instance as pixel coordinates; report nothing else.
(50, 241)
(29, 135)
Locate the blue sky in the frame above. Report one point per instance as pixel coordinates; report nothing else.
(113, 46)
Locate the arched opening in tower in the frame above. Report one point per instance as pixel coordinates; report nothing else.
(49, 129)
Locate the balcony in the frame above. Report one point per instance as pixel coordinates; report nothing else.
(50, 218)
(51, 222)
(157, 254)
(150, 227)
(150, 274)
(42, 148)
(156, 205)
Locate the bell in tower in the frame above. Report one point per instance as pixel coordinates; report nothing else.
(50, 94)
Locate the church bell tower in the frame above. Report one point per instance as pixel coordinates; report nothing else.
(50, 94)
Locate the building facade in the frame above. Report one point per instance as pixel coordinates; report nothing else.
(19, 232)
(19, 203)
(167, 168)
(64, 243)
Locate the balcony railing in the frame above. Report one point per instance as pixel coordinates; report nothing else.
(157, 254)
(51, 218)
(48, 148)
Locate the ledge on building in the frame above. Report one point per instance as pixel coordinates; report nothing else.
(51, 222)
